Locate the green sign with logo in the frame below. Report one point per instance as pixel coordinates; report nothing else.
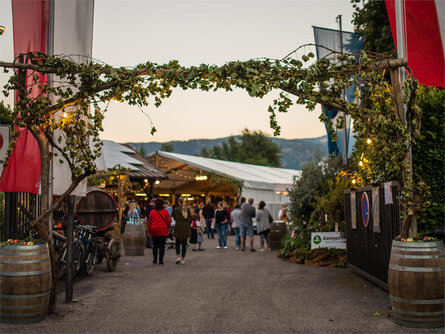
(317, 239)
(327, 240)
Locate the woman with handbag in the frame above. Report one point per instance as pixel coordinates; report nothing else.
(158, 227)
(182, 216)
(263, 219)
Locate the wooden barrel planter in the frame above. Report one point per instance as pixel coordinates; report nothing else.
(134, 239)
(97, 208)
(416, 283)
(277, 232)
(25, 283)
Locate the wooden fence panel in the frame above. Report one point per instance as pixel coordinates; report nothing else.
(369, 247)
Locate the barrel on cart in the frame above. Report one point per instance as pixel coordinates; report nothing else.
(98, 209)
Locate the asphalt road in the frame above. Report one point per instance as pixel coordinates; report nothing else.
(220, 291)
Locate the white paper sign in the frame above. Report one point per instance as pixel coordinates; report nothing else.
(375, 210)
(327, 240)
(353, 210)
(388, 193)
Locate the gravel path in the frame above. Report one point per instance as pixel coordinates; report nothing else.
(220, 291)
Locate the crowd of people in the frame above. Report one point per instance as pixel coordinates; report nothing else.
(189, 224)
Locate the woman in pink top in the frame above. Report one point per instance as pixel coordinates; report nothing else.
(158, 226)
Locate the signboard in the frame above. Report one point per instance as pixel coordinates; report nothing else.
(375, 210)
(353, 210)
(327, 240)
(365, 209)
(4, 143)
(388, 193)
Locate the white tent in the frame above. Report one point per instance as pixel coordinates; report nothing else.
(269, 184)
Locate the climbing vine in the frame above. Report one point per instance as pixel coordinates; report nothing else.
(80, 92)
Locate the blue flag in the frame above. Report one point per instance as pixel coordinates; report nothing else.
(328, 40)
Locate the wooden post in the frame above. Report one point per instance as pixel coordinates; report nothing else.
(407, 175)
(70, 253)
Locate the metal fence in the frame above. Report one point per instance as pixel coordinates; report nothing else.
(18, 210)
(371, 225)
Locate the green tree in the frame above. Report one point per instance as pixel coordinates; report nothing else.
(254, 147)
(428, 156)
(370, 19)
(330, 203)
(5, 114)
(167, 147)
(142, 151)
(314, 181)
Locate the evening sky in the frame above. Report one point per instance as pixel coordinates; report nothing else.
(128, 32)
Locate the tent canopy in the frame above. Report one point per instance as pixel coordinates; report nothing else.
(182, 171)
(114, 155)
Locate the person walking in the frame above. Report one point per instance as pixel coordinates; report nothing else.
(133, 212)
(158, 227)
(182, 216)
(236, 219)
(247, 213)
(208, 214)
(263, 218)
(222, 220)
(196, 237)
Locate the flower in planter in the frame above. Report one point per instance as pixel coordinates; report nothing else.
(29, 241)
(416, 238)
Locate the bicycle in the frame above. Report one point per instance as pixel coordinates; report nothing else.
(62, 255)
(88, 237)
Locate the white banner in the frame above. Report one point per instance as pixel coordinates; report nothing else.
(73, 36)
(327, 240)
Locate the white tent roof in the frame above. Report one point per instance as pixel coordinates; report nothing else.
(253, 176)
(114, 154)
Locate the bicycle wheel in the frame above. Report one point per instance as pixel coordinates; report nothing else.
(61, 263)
(79, 251)
(90, 261)
(112, 255)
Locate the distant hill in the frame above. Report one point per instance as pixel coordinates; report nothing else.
(294, 151)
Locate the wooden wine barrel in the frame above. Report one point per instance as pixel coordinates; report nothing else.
(416, 283)
(277, 232)
(25, 283)
(134, 239)
(97, 208)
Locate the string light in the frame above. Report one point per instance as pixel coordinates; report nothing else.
(368, 141)
(169, 170)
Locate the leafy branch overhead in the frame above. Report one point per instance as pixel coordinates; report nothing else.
(83, 91)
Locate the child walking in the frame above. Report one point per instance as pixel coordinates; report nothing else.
(197, 233)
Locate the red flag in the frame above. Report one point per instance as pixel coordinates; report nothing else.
(423, 43)
(31, 20)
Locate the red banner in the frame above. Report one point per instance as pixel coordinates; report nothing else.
(424, 47)
(30, 20)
